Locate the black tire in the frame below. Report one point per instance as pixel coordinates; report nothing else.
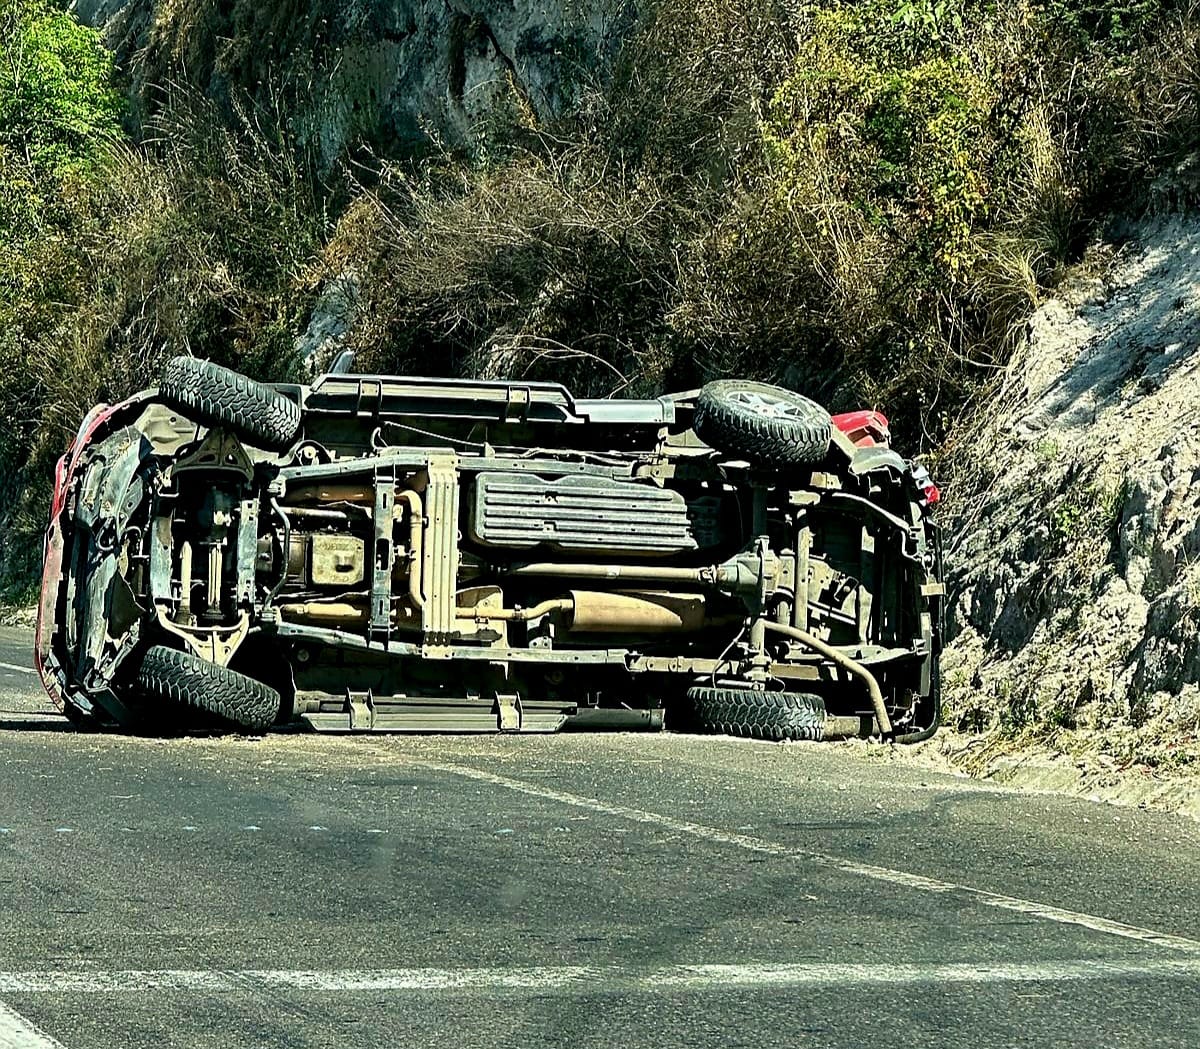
(185, 679)
(765, 424)
(759, 715)
(216, 396)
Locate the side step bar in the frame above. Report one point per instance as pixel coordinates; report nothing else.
(362, 712)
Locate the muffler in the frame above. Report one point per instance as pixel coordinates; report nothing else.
(636, 612)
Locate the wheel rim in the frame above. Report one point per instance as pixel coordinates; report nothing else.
(767, 405)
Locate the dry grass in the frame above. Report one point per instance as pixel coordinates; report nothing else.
(202, 241)
(654, 235)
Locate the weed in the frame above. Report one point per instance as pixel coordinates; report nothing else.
(1048, 450)
(1018, 710)
(1061, 714)
(1070, 520)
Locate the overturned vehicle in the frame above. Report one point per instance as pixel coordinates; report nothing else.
(400, 554)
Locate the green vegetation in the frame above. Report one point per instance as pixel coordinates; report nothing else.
(59, 116)
(113, 255)
(59, 121)
(58, 106)
(860, 199)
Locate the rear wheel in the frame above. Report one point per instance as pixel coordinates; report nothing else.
(764, 424)
(216, 396)
(187, 681)
(759, 715)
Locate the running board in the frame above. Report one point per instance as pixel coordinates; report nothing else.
(363, 712)
(430, 723)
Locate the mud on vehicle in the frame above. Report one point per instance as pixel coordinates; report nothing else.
(392, 553)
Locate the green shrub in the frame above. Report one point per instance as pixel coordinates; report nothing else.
(864, 200)
(59, 112)
(58, 103)
(114, 256)
(1110, 24)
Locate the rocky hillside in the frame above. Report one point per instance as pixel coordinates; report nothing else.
(388, 74)
(1075, 535)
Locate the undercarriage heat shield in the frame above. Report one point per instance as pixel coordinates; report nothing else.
(595, 515)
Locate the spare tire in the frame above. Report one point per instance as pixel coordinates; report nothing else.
(216, 396)
(184, 679)
(764, 424)
(759, 715)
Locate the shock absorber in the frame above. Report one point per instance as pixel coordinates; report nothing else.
(184, 616)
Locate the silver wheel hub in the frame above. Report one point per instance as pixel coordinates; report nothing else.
(767, 405)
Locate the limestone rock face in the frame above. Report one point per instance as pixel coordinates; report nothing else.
(1074, 535)
(388, 74)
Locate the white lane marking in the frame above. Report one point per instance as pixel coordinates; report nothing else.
(18, 1033)
(592, 978)
(20, 670)
(863, 870)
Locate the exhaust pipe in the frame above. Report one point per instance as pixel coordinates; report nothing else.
(846, 663)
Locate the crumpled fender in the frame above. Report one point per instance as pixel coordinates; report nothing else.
(49, 653)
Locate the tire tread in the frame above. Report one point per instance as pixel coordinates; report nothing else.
(727, 427)
(217, 396)
(759, 715)
(197, 684)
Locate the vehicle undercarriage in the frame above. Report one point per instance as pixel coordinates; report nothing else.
(431, 555)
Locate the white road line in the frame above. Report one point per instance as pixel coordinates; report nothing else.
(21, 670)
(585, 979)
(18, 1033)
(863, 870)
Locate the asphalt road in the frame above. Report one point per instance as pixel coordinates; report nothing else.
(605, 890)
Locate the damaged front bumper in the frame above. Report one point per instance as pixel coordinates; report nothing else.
(87, 618)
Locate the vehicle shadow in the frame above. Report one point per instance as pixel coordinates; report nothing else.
(23, 721)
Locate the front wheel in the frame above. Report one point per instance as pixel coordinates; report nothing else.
(184, 680)
(216, 396)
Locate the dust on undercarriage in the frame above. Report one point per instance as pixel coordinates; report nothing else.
(375, 553)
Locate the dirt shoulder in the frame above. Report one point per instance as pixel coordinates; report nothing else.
(1040, 767)
(18, 615)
